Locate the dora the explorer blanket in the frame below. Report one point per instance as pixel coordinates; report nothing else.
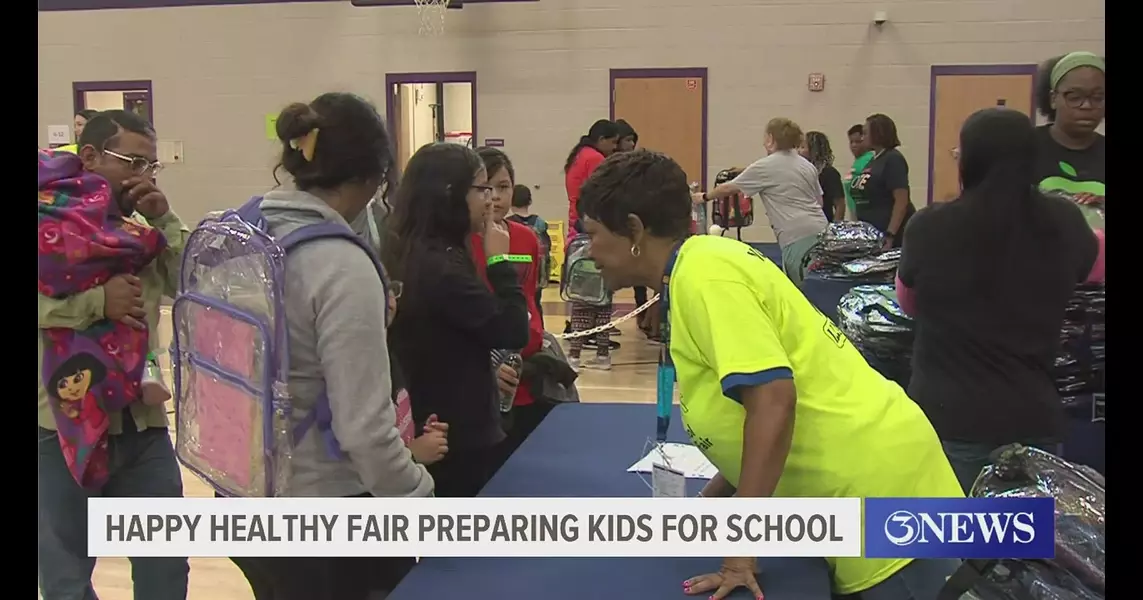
(84, 241)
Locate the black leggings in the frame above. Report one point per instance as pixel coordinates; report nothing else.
(525, 419)
(464, 471)
(322, 578)
(640, 296)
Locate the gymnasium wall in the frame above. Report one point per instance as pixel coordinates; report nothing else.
(542, 70)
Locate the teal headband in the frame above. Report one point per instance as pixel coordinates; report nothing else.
(1072, 62)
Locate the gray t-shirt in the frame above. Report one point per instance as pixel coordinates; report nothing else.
(790, 192)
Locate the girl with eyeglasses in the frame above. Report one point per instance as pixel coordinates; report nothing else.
(1071, 157)
(448, 318)
(524, 248)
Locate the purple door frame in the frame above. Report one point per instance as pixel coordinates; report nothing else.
(392, 79)
(695, 72)
(80, 88)
(946, 70)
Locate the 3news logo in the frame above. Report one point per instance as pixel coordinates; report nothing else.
(1018, 528)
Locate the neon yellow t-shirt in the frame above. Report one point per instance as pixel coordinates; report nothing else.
(737, 322)
(73, 148)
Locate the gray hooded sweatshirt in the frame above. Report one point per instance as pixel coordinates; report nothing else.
(335, 313)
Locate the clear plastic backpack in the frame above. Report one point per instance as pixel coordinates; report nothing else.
(230, 357)
(582, 281)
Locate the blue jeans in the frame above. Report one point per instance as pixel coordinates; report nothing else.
(921, 579)
(968, 459)
(143, 465)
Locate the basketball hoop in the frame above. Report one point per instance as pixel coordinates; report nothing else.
(432, 13)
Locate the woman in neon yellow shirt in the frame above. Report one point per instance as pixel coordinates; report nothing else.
(772, 392)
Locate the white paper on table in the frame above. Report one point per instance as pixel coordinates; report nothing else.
(684, 458)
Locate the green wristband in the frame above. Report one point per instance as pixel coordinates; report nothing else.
(495, 260)
(519, 258)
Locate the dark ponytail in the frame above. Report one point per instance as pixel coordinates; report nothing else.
(601, 129)
(997, 171)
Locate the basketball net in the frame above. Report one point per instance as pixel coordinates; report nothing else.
(432, 13)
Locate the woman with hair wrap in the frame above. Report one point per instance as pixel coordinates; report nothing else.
(987, 278)
(1070, 93)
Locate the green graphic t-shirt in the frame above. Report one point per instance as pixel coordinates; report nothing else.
(1072, 171)
(858, 166)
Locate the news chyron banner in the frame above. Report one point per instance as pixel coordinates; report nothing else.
(966, 528)
(1019, 528)
(473, 527)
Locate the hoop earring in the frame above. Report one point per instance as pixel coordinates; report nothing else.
(635, 251)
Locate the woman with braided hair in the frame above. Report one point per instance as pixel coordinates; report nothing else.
(816, 149)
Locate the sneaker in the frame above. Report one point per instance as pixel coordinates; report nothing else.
(600, 363)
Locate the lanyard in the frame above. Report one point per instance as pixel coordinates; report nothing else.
(665, 383)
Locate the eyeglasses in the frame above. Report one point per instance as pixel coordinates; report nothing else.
(483, 189)
(138, 164)
(1075, 99)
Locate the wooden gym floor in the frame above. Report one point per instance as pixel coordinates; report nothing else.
(631, 379)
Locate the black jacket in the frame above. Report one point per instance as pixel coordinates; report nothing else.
(447, 323)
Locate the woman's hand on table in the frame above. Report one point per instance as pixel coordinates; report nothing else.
(717, 487)
(735, 573)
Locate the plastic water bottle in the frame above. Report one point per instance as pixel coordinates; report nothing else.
(514, 361)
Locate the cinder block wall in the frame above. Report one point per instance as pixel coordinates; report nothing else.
(542, 70)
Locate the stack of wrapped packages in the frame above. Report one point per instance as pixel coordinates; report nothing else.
(1077, 571)
(871, 318)
(853, 251)
(1080, 363)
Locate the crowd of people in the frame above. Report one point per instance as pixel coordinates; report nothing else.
(779, 401)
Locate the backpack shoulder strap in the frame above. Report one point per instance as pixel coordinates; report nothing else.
(321, 414)
(251, 212)
(325, 230)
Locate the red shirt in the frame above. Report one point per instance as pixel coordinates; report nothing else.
(586, 160)
(521, 241)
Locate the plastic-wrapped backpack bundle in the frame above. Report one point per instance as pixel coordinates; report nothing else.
(1077, 571)
(1093, 213)
(846, 242)
(877, 268)
(1080, 363)
(871, 318)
